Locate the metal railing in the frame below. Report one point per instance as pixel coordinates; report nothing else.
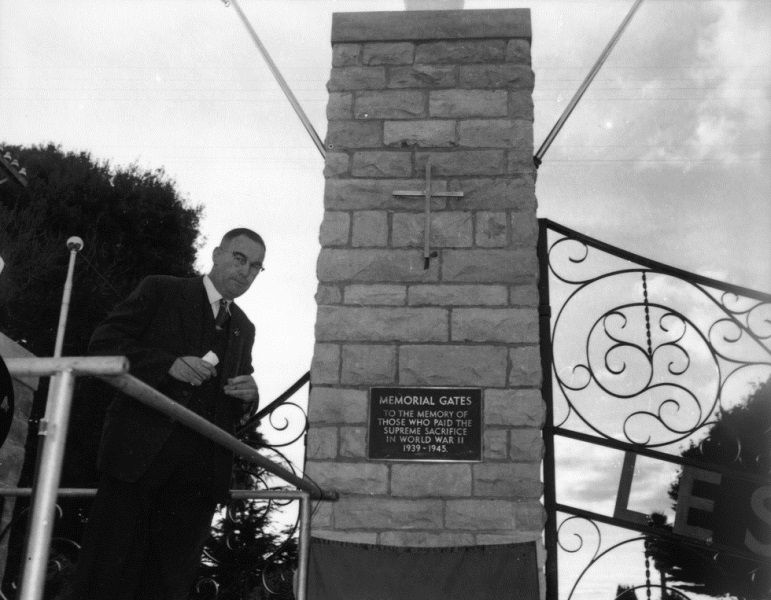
(53, 434)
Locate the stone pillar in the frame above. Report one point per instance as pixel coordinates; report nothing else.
(455, 87)
(12, 450)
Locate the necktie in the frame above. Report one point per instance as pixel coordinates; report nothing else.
(222, 315)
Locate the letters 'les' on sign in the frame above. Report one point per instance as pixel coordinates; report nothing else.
(428, 424)
(727, 509)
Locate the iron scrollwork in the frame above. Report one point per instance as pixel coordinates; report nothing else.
(660, 354)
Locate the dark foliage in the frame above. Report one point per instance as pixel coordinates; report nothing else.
(133, 223)
(243, 559)
(740, 440)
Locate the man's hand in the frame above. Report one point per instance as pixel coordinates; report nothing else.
(243, 387)
(192, 370)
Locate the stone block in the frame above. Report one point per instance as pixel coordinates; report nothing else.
(377, 163)
(514, 408)
(466, 104)
(513, 193)
(524, 230)
(345, 55)
(329, 405)
(353, 442)
(336, 164)
(452, 365)
(325, 366)
(352, 537)
(530, 515)
(356, 78)
(334, 229)
(370, 228)
(351, 323)
(388, 53)
(495, 133)
(342, 135)
(461, 51)
(328, 294)
(523, 295)
(508, 325)
(351, 477)
(526, 445)
(506, 75)
(481, 514)
(448, 230)
(491, 229)
(525, 366)
(489, 266)
(340, 105)
(382, 266)
(457, 295)
(518, 51)
(496, 444)
(511, 537)
(390, 104)
(462, 162)
(368, 194)
(431, 25)
(435, 133)
(430, 480)
(356, 512)
(365, 364)
(321, 443)
(422, 76)
(322, 516)
(373, 295)
(508, 480)
(425, 539)
(521, 105)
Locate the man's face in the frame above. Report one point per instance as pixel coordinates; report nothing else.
(236, 263)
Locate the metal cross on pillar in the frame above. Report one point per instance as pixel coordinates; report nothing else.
(427, 194)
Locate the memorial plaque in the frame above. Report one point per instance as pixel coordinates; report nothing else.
(431, 424)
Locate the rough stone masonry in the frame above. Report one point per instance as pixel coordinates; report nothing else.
(455, 87)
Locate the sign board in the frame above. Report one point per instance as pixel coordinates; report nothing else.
(430, 424)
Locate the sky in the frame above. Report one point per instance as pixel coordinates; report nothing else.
(666, 155)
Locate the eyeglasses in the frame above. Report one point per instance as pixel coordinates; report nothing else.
(242, 261)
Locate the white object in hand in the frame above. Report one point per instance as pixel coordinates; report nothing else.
(211, 358)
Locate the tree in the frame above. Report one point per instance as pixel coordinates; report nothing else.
(243, 558)
(133, 223)
(741, 440)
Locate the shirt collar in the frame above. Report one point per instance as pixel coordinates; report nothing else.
(211, 291)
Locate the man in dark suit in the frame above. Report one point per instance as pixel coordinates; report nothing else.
(160, 481)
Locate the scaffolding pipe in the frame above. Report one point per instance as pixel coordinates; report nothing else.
(74, 245)
(151, 397)
(538, 158)
(280, 79)
(53, 435)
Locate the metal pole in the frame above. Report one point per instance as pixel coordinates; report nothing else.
(80, 365)
(538, 158)
(281, 81)
(53, 429)
(74, 245)
(304, 547)
(549, 473)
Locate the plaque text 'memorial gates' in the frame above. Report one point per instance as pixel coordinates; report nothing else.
(650, 368)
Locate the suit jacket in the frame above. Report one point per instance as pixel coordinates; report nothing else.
(165, 318)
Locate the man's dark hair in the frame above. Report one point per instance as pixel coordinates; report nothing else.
(252, 235)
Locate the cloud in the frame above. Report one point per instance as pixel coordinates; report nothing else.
(714, 108)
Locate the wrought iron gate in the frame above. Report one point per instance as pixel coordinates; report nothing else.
(642, 362)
